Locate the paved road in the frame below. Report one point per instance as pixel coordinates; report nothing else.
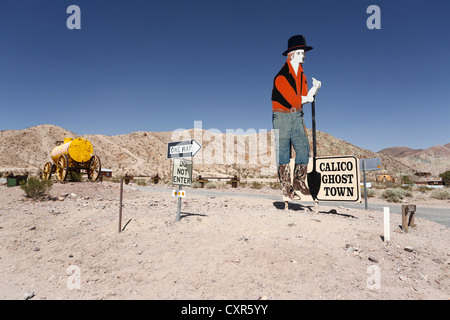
(440, 215)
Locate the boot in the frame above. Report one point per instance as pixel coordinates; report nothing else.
(284, 174)
(300, 172)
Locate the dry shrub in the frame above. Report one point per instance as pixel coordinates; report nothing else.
(36, 188)
(210, 185)
(440, 194)
(395, 194)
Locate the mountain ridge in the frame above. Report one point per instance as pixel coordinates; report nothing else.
(145, 152)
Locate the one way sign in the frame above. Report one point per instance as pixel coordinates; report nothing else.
(182, 149)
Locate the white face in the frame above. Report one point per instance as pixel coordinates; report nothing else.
(298, 56)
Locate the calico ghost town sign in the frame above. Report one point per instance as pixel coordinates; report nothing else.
(339, 179)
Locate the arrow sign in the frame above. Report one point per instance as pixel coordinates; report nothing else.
(183, 149)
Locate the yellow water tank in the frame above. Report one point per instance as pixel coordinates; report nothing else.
(79, 150)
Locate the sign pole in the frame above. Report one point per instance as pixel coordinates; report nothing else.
(181, 168)
(179, 204)
(365, 187)
(120, 205)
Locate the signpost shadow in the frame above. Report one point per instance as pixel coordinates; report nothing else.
(188, 214)
(292, 206)
(333, 211)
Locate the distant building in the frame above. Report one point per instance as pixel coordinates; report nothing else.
(431, 182)
(385, 178)
(107, 173)
(423, 174)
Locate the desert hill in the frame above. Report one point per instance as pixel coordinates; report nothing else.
(435, 159)
(399, 151)
(144, 153)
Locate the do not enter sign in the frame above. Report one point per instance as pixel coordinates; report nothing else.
(182, 172)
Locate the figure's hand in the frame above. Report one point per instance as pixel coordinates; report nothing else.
(306, 99)
(316, 83)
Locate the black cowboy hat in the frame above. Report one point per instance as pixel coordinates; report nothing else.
(296, 43)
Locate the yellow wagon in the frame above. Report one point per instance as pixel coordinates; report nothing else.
(73, 155)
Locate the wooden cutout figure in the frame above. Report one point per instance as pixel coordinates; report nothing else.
(289, 94)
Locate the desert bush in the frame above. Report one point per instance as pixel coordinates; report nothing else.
(370, 192)
(255, 185)
(440, 194)
(36, 188)
(75, 176)
(423, 189)
(196, 185)
(141, 182)
(407, 180)
(445, 177)
(275, 185)
(210, 185)
(395, 194)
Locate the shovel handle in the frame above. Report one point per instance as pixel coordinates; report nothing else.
(313, 113)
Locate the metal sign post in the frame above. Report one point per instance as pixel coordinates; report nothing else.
(369, 165)
(179, 204)
(181, 176)
(182, 168)
(365, 187)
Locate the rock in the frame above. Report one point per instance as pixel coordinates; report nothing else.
(36, 249)
(28, 295)
(73, 195)
(437, 260)
(373, 259)
(409, 248)
(403, 278)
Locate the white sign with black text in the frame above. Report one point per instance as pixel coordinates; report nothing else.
(182, 172)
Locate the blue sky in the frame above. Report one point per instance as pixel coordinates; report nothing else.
(161, 65)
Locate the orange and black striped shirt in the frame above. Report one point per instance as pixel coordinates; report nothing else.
(288, 88)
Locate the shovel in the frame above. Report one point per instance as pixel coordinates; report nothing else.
(314, 177)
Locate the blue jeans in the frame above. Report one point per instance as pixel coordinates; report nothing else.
(289, 128)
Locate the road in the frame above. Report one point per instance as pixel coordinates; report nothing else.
(437, 214)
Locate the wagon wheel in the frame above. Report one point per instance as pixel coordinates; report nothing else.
(47, 173)
(95, 167)
(61, 167)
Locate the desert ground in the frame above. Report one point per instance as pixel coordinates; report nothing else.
(68, 246)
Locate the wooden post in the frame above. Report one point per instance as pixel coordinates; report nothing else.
(387, 226)
(408, 216)
(120, 205)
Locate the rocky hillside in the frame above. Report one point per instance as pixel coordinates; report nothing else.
(144, 153)
(434, 160)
